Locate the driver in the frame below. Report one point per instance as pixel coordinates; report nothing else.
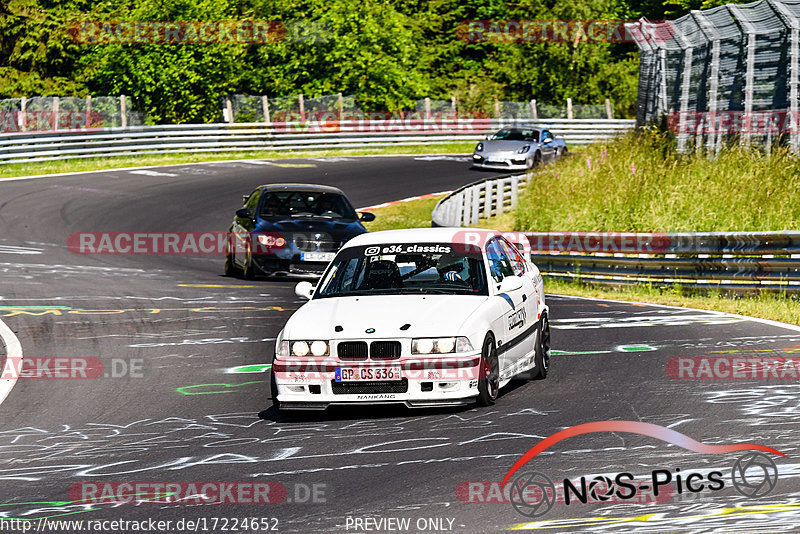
(450, 267)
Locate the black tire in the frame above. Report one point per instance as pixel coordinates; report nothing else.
(273, 389)
(537, 160)
(230, 266)
(562, 152)
(248, 271)
(489, 381)
(542, 357)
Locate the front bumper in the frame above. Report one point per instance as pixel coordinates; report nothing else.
(504, 162)
(310, 383)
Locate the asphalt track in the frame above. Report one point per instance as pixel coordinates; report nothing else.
(186, 417)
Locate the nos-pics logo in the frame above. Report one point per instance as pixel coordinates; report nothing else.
(533, 493)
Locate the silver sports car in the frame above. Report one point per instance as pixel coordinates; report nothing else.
(518, 148)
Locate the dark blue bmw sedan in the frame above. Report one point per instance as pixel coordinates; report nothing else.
(290, 228)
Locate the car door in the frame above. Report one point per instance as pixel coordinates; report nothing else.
(525, 334)
(509, 308)
(548, 146)
(242, 226)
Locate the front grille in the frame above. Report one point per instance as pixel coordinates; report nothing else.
(310, 244)
(367, 388)
(352, 350)
(385, 350)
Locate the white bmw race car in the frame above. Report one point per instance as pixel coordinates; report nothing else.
(422, 317)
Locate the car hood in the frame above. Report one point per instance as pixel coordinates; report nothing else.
(428, 315)
(337, 229)
(505, 146)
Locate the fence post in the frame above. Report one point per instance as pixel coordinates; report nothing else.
(514, 192)
(466, 210)
(534, 111)
(453, 107)
(229, 109)
(265, 108)
(569, 108)
(341, 106)
(476, 205)
(302, 103)
(88, 111)
(56, 105)
(714, 140)
(123, 111)
(500, 197)
(22, 120)
(487, 199)
(686, 82)
(427, 108)
(609, 109)
(496, 109)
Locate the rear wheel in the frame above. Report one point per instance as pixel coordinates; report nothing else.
(489, 382)
(542, 357)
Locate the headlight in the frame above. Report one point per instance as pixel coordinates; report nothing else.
(300, 348)
(303, 348)
(524, 149)
(479, 148)
(440, 345)
(271, 241)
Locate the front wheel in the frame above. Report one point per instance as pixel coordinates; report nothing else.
(248, 271)
(489, 382)
(542, 357)
(273, 389)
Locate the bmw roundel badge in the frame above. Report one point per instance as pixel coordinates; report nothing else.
(370, 330)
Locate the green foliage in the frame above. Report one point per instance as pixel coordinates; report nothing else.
(388, 53)
(639, 183)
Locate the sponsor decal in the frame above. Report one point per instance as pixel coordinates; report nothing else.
(407, 249)
(517, 319)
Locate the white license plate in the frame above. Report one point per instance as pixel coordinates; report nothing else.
(368, 374)
(317, 256)
(496, 160)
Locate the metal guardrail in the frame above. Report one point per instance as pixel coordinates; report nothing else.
(736, 261)
(105, 142)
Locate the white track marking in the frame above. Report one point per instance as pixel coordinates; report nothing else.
(14, 355)
(11, 249)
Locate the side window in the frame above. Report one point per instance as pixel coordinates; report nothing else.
(516, 258)
(545, 135)
(252, 202)
(499, 264)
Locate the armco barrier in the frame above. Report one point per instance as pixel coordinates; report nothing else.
(105, 142)
(725, 260)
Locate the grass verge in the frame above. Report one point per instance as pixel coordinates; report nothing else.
(144, 160)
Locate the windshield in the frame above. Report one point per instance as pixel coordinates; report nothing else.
(516, 134)
(405, 269)
(305, 204)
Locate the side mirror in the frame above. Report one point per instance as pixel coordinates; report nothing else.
(366, 216)
(304, 289)
(244, 213)
(510, 283)
(548, 141)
